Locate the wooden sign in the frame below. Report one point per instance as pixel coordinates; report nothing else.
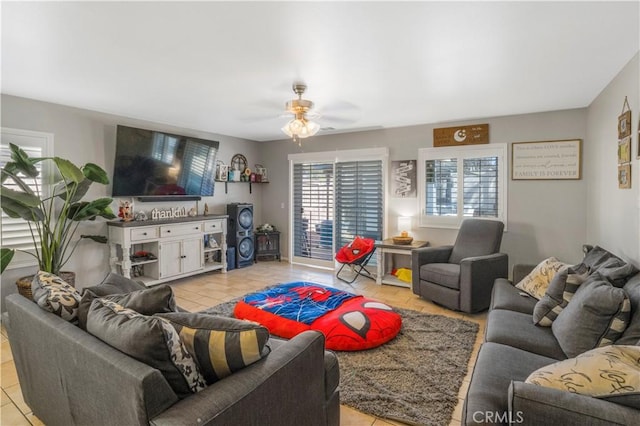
(461, 135)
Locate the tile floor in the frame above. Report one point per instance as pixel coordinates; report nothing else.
(202, 291)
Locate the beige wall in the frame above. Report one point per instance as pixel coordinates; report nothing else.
(86, 136)
(545, 218)
(613, 215)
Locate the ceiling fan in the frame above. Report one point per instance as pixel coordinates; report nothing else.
(300, 126)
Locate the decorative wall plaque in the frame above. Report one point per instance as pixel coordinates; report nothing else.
(461, 135)
(404, 178)
(546, 160)
(172, 213)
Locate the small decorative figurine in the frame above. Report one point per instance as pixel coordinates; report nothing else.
(206, 209)
(125, 211)
(193, 212)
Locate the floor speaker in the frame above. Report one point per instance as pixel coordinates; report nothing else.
(240, 232)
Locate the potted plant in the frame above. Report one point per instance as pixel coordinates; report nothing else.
(54, 218)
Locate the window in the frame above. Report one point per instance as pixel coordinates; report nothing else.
(334, 197)
(16, 232)
(459, 182)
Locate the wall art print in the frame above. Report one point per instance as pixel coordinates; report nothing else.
(404, 179)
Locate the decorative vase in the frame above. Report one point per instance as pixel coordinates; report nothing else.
(24, 283)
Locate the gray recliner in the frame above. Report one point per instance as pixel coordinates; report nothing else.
(461, 276)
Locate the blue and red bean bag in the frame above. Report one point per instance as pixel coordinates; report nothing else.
(349, 322)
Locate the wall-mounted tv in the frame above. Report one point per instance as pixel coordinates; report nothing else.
(152, 165)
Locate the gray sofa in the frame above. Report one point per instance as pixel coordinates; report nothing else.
(514, 348)
(69, 377)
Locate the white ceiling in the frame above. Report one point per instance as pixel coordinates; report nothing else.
(228, 67)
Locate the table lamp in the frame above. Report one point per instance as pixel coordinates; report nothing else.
(404, 225)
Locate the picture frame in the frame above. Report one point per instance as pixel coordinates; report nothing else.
(624, 124)
(547, 160)
(624, 176)
(624, 150)
(404, 179)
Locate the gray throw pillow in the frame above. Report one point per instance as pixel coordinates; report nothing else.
(150, 301)
(596, 316)
(148, 339)
(610, 266)
(562, 287)
(115, 284)
(220, 345)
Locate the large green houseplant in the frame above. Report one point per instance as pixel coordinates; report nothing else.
(53, 218)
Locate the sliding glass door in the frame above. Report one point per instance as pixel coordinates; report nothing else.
(333, 199)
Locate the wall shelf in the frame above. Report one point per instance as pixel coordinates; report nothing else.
(226, 188)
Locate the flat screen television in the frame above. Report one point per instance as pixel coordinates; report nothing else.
(152, 165)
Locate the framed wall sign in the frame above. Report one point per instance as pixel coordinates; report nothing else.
(404, 182)
(544, 160)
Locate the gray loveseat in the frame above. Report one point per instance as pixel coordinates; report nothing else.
(514, 348)
(69, 377)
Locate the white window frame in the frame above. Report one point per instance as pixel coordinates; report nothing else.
(373, 154)
(461, 153)
(29, 138)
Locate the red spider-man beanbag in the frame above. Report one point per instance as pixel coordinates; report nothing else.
(348, 321)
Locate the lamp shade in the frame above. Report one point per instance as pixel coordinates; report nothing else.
(404, 223)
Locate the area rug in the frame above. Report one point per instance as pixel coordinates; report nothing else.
(414, 378)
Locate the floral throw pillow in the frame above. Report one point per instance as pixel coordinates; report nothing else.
(537, 281)
(55, 295)
(611, 373)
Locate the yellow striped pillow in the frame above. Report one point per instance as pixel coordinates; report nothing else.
(220, 345)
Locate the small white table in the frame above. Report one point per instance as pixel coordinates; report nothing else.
(387, 247)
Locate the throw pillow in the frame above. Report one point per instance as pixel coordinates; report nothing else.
(596, 316)
(221, 345)
(611, 373)
(115, 284)
(55, 295)
(610, 266)
(560, 291)
(151, 340)
(146, 302)
(537, 281)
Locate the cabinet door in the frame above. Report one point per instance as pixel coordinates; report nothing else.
(192, 255)
(170, 258)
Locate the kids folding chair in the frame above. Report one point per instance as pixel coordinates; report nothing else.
(356, 255)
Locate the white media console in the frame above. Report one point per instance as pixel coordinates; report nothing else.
(174, 248)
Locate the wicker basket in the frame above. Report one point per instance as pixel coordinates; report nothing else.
(24, 283)
(402, 240)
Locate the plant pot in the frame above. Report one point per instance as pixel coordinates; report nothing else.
(24, 283)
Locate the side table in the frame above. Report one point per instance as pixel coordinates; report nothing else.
(385, 250)
(267, 244)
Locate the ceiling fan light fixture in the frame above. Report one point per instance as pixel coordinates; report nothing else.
(299, 127)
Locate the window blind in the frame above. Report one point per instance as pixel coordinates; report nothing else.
(481, 187)
(359, 201)
(16, 233)
(441, 187)
(313, 194)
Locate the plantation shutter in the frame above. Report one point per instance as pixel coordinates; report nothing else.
(441, 187)
(481, 187)
(313, 191)
(359, 201)
(16, 233)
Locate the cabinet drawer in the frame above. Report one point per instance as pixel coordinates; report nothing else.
(139, 234)
(213, 226)
(182, 229)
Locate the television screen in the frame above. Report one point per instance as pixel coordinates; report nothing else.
(150, 163)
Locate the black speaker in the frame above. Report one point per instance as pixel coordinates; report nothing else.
(240, 232)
